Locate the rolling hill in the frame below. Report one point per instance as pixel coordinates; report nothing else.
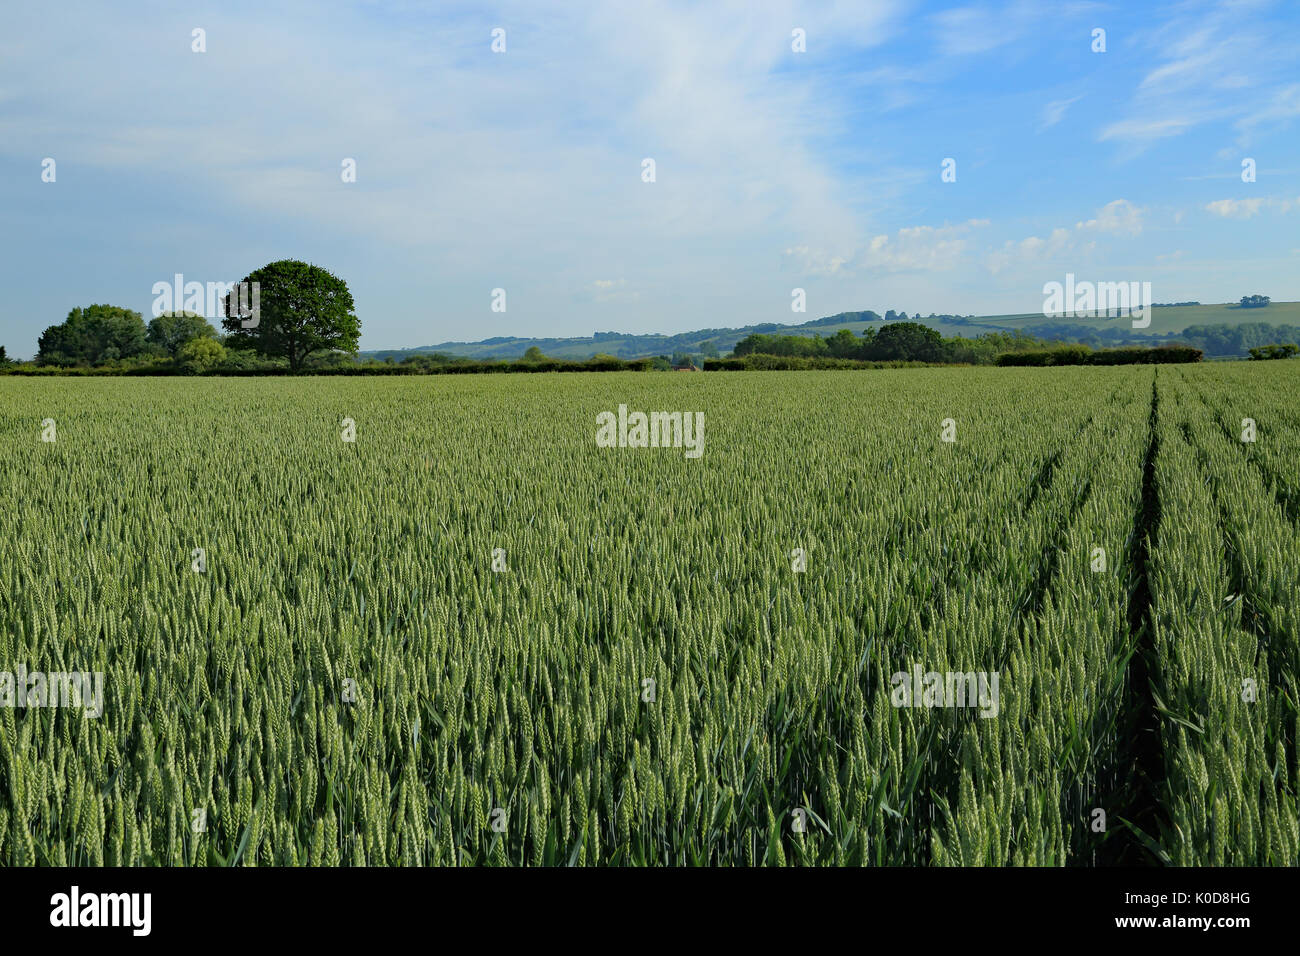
(1166, 321)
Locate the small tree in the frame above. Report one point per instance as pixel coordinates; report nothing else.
(907, 341)
(172, 330)
(534, 354)
(844, 344)
(200, 354)
(303, 309)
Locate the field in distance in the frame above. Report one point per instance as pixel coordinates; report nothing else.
(1167, 319)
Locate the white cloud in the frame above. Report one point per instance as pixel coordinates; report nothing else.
(1118, 217)
(811, 261)
(1235, 208)
(1146, 130)
(1247, 208)
(921, 248)
(910, 249)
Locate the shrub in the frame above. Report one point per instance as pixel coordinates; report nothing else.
(198, 355)
(1082, 355)
(1264, 352)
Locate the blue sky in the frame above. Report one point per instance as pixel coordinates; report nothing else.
(522, 170)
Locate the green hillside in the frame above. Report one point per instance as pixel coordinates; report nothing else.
(1165, 322)
(629, 345)
(1166, 319)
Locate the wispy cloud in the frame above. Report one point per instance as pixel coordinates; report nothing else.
(1216, 62)
(1055, 111)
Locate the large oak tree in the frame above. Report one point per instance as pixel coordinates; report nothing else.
(303, 309)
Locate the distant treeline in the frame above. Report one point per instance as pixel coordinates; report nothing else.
(893, 342)
(247, 364)
(109, 340)
(758, 362)
(1082, 355)
(1223, 340)
(903, 343)
(1219, 340)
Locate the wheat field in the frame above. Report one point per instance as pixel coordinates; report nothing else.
(473, 636)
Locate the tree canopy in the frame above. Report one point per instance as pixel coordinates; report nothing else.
(303, 310)
(95, 334)
(170, 331)
(897, 341)
(1284, 351)
(200, 354)
(906, 341)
